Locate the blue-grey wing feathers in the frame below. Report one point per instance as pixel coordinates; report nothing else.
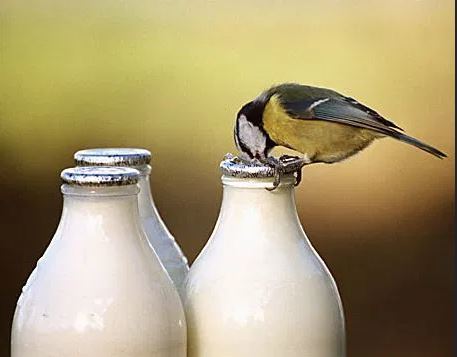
(344, 110)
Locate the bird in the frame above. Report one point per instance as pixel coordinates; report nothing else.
(321, 124)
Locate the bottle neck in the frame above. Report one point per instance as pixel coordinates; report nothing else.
(248, 207)
(145, 200)
(103, 209)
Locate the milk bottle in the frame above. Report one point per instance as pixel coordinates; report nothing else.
(259, 288)
(99, 290)
(158, 235)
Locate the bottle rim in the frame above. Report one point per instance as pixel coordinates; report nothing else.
(287, 181)
(100, 176)
(236, 167)
(99, 191)
(128, 157)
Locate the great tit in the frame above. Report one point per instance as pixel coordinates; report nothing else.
(322, 124)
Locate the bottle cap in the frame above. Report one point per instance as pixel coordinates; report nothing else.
(100, 176)
(113, 157)
(237, 167)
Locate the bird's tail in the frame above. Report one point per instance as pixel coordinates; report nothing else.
(419, 144)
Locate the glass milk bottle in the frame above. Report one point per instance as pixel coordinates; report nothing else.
(158, 235)
(259, 288)
(99, 290)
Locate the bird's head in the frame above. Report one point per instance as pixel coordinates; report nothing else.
(250, 137)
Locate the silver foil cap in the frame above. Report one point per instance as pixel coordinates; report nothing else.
(234, 166)
(100, 176)
(113, 157)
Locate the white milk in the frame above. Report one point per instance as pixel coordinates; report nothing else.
(99, 290)
(170, 254)
(160, 238)
(259, 288)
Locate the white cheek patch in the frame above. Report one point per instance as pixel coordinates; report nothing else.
(251, 136)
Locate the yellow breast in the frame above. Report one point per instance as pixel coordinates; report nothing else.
(319, 140)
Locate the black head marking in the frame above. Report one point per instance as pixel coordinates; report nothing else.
(252, 112)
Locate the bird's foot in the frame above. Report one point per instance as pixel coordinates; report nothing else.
(297, 162)
(278, 168)
(283, 164)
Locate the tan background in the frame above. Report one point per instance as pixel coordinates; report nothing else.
(170, 76)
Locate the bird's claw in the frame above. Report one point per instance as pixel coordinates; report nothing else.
(298, 178)
(280, 165)
(278, 168)
(298, 162)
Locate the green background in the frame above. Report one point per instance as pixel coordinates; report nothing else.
(171, 75)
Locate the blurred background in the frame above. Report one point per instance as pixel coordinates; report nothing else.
(170, 76)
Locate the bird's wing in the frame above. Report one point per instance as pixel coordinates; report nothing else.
(312, 103)
(342, 110)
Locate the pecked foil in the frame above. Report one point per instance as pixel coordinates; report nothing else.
(100, 176)
(234, 166)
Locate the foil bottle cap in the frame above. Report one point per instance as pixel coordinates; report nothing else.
(234, 166)
(100, 176)
(133, 157)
